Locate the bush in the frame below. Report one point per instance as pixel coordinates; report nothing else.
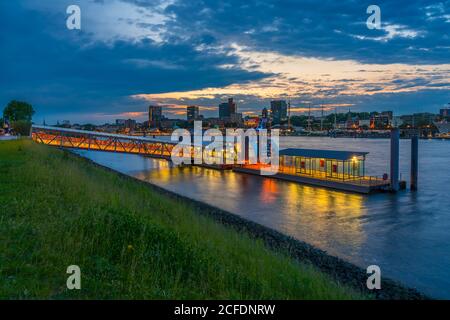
(21, 127)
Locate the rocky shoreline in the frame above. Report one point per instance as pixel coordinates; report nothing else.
(340, 270)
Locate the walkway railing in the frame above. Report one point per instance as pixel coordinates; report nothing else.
(91, 140)
(322, 175)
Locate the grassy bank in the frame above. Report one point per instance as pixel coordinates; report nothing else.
(130, 242)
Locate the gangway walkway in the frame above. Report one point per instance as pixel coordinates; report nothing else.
(92, 140)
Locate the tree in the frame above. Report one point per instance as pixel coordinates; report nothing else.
(18, 111)
(19, 115)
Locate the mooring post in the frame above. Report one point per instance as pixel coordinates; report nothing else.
(246, 149)
(395, 154)
(258, 147)
(414, 160)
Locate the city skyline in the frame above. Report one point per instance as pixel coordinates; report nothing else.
(132, 54)
(278, 111)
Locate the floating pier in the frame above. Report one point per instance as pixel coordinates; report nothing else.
(340, 170)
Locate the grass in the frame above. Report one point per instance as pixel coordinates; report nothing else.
(130, 242)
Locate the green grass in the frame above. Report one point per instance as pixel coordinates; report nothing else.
(130, 242)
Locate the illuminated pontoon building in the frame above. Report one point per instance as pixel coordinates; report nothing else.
(341, 170)
(344, 165)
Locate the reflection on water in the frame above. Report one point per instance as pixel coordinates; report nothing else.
(406, 234)
(124, 162)
(320, 216)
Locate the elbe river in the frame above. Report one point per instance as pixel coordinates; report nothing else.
(407, 234)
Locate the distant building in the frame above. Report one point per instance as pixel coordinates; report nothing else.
(226, 109)
(251, 121)
(341, 125)
(423, 119)
(278, 110)
(397, 121)
(106, 128)
(443, 127)
(192, 113)
(264, 122)
(265, 113)
(236, 118)
(444, 112)
(380, 121)
(418, 119)
(407, 119)
(353, 123)
(120, 122)
(130, 124)
(215, 122)
(168, 123)
(388, 114)
(364, 124)
(154, 116)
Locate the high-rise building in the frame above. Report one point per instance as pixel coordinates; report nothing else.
(224, 111)
(227, 109)
(232, 106)
(265, 113)
(154, 116)
(130, 124)
(192, 113)
(264, 121)
(278, 110)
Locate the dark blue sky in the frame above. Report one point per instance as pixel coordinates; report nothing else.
(132, 53)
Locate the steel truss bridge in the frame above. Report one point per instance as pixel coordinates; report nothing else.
(91, 140)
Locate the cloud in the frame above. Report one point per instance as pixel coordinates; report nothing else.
(57, 70)
(146, 63)
(130, 53)
(323, 31)
(393, 31)
(294, 76)
(112, 20)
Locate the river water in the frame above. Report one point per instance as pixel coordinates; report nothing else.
(406, 234)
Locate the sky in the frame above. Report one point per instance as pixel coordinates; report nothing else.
(130, 54)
